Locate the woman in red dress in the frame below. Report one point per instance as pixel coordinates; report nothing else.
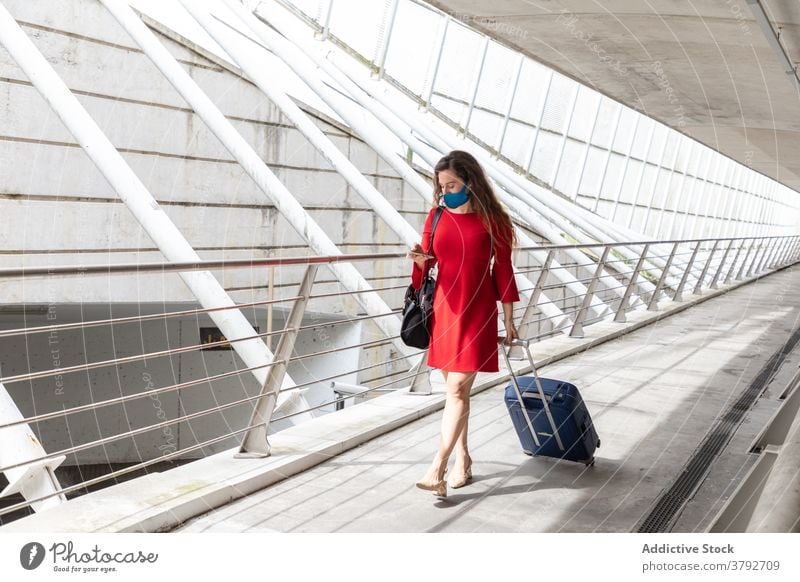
(473, 229)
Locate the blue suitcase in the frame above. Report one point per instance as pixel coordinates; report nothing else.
(554, 421)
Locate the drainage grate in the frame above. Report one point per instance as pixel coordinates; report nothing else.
(669, 504)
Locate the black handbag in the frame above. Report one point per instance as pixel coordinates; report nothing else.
(415, 330)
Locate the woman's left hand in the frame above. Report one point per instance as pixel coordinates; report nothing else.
(511, 331)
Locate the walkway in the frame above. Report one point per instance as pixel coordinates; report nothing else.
(653, 394)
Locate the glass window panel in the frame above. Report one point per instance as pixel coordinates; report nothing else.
(595, 162)
(671, 149)
(627, 124)
(605, 123)
(583, 118)
(485, 125)
(360, 33)
(630, 182)
(642, 138)
(662, 184)
(315, 9)
(448, 107)
(530, 92)
(604, 209)
(410, 57)
(638, 218)
(516, 143)
(497, 79)
(567, 179)
(586, 201)
(610, 184)
(555, 110)
(545, 154)
(460, 56)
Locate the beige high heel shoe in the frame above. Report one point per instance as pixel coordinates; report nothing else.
(459, 480)
(439, 487)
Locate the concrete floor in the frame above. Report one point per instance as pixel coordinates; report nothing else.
(653, 394)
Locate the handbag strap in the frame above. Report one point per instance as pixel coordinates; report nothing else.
(436, 217)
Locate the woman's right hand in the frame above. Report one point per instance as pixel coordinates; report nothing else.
(417, 255)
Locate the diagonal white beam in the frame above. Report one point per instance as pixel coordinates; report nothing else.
(388, 113)
(254, 166)
(431, 150)
(169, 240)
(365, 123)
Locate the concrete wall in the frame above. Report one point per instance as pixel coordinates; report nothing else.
(57, 350)
(56, 208)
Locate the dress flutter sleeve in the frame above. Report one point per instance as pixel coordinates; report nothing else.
(416, 273)
(505, 287)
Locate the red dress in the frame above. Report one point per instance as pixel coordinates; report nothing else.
(464, 325)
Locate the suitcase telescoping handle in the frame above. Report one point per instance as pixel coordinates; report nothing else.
(526, 345)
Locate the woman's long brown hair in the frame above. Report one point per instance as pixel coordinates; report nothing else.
(484, 200)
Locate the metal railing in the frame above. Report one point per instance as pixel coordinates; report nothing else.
(713, 262)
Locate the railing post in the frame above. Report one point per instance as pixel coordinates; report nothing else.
(721, 266)
(653, 305)
(255, 443)
(537, 292)
(787, 257)
(421, 384)
(705, 269)
(761, 249)
(740, 272)
(781, 259)
(679, 291)
(735, 259)
(780, 244)
(577, 327)
(792, 254)
(623, 305)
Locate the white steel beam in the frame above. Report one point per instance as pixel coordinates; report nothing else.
(255, 167)
(517, 186)
(169, 240)
(18, 444)
(365, 123)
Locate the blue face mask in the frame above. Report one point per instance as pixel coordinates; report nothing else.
(456, 199)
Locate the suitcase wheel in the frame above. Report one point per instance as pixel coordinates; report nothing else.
(590, 462)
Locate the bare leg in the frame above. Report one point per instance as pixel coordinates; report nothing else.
(454, 424)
